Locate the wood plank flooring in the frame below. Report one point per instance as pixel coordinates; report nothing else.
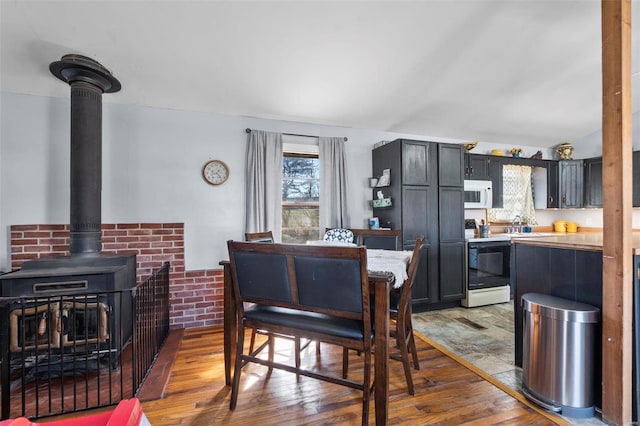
(447, 393)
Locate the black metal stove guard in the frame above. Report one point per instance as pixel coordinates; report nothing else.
(72, 350)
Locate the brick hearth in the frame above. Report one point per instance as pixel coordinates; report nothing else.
(195, 296)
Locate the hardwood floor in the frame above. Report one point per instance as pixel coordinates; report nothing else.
(447, 393)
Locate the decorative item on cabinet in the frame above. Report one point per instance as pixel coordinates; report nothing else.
(468, 146)
(498, 152)
(537, 156)
(381, 201)
(515, 152)
(374, 223)
(565, 151)
(385, 179)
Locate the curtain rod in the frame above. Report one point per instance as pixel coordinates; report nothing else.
(248, 130)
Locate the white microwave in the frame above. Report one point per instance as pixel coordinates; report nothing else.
(478, 194)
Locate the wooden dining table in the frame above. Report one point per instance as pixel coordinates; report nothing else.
(380, 285)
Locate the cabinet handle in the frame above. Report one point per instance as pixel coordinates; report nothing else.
(550, 199)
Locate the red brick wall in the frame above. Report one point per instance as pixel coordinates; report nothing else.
(195, 296)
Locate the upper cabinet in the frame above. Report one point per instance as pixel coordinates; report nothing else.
(570, 176)
(636, 178)
(419, 163)
(553, 185)
(476, 167)
(495, 176)
(593, 182)
(451, 160)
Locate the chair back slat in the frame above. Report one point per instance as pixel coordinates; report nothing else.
(386, 239)
(259, 237)
(329, 283)
(262, 277)
(405, 297)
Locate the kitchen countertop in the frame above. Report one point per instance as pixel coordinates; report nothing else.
(508, 237)
(578, 241)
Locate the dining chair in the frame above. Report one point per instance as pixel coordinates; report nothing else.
(319, 293)
(259, 237)
(385, 239)
(341, 235)
(400, 315)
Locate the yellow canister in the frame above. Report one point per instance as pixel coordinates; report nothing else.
(572, 227)
(560, 226)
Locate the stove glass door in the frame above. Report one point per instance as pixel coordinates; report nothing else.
(488, 264)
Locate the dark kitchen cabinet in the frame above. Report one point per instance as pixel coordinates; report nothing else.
(419, 164)
(495, 176)
(450, 165)
(476, 167)
(593, 182)
(428, 200)
(572, 274)
(450, 201)
(421, 199)
(553, 185)
(636, 178)
(570, 175)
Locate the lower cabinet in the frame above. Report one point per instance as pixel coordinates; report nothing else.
(571, 274)
(452, 279)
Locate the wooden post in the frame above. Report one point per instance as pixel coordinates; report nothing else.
(617, 253)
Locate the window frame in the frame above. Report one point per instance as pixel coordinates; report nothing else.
(300, 151)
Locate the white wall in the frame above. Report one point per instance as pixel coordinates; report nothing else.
(591, 145)
(152, 162)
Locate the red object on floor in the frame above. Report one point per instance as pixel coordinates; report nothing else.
(127, 413)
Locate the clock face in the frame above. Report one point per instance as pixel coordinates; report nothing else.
(215, 172)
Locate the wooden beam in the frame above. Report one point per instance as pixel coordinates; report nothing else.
(617, 192)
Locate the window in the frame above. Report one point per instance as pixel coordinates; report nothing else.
(300, 197)
(517, 196)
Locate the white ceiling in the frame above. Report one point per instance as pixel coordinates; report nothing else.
(525, 71)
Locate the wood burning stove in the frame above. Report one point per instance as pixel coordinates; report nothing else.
(65, 304)
(79, 300)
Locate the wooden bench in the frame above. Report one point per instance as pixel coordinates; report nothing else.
(314, 292)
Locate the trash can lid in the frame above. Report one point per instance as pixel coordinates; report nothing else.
(560, 309)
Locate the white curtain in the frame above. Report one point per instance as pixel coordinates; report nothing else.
(264, 183)
(517, 193)
(334, 204)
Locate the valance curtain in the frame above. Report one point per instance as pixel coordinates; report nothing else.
(334, 204)
(517, 196)
(263, 206)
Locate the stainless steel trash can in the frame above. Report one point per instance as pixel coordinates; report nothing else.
(558, 353)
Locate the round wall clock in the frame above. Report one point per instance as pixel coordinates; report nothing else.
(215, 172)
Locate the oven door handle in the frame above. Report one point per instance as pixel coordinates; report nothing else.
(489, 244)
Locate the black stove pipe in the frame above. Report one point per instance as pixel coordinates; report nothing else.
(88, 80)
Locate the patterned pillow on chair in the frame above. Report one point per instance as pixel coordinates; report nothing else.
(339, 234)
